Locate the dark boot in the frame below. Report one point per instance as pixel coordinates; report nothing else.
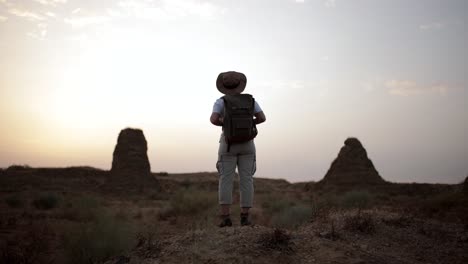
(225, 221)
(245, 219)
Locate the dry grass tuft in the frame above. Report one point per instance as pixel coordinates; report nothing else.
(279, 240)
(82, 209)
(189, 202)
(362, 222)
(401, 220)
(14, 201)
(148, 245)
(46, 201)
(98, 240)
(30, 247)
(292, 217)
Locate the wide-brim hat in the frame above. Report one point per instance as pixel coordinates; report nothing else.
(231, 82)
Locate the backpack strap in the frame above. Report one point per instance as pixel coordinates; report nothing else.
(224, 112)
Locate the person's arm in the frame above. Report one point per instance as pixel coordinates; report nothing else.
(216, 119)
(259, 118)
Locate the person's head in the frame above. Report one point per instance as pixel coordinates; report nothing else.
(231, 82)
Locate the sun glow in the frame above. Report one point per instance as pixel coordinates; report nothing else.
(127, 79)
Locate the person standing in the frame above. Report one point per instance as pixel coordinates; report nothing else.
(238, 114)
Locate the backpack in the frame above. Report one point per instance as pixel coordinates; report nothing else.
(239, 125)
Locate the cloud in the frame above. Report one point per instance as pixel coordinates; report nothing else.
(40, 33)
(431, 26)
(300, 1)
(84, 21)
(371, 84)
(330, 3)
(83, 18)
(411, 88)
(198, 8)
(319, 87)
(26, 14)
(76, 10)
(164, 10)
(282, 84)
(139, 10)
(51, 2)
(50, 14)
(168, 9)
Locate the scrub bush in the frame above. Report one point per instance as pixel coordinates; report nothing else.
(356, 200)
(292, 217)
(14, 201)
(191, 201)
(99, 239)
(46, 201)
(81, 209)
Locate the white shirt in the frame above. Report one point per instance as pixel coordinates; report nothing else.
(218, 107)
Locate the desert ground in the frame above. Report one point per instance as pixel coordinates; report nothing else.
(68, 215)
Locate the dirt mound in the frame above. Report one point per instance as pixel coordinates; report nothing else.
(130, 164)
(352, 166)
(396, 239)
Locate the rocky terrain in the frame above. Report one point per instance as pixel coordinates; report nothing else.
(84, 215)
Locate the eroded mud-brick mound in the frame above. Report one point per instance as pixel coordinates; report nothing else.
(130, 165)
(352, 166)
(465, 186)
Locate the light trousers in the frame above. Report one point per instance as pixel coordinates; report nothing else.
(242, 156)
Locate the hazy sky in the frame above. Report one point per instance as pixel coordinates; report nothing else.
(392, 73)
